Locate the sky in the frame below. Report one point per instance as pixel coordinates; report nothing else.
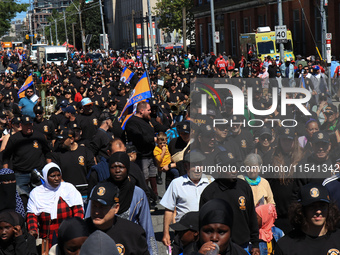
(21, 15)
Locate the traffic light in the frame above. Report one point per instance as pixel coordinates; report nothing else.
(27, 37)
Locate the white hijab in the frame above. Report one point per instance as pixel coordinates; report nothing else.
(44, 198)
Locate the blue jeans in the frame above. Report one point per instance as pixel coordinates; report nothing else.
(23, 183)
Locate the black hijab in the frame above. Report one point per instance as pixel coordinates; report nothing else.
(126, 187)
(7, 191)
(69, 229)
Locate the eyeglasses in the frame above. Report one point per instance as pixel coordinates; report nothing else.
(329, 113)
(29, 91)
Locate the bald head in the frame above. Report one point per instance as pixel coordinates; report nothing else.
(115, 146)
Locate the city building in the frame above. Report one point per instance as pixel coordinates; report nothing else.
(121, 19)
(234, 17)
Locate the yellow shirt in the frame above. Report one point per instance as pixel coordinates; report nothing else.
(166, 160)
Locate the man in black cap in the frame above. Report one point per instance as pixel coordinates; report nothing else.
(317, 166)
(187, 229)
(129, 237)
(122, 97)
(103, 136)
(75, 160)
(158, 119)
(241, 136)
(88, 119)
(240, 197)
(8, 105)
(27, 149)
(44, 126)
(314, 219)
(183, 193)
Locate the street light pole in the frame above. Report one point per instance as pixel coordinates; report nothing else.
(280, 16)
(81, 26)
(74, 37)
(151, 31)
(56, 32)
(323, 28)
(103, 26)
(66, 37)
(51, 34)
(212, 10)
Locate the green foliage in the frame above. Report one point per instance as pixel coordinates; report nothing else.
(90, 20)
(170, 13)
(8, 10)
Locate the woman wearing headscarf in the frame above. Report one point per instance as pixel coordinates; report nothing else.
(215, 229)
(14, 238)
(268, 233)
(132, 199)
(72, 233)
(9, 197)
(51, 203)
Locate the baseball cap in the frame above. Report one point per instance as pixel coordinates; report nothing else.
(287, 132)
(313, 192)
(7, 96)
(64, 133)
(104, 116)
(258, 89)
(189, 221)
(320, 136)
(184, 126)
(229, 101)
(70, 109)
(63, 103)
(265, 131)
(225, 158)
(3, 114)
(26, 120)
(206, 130)
(86, 101)
(105, 193)
(331, 108)
(39, 109)
(16, 120)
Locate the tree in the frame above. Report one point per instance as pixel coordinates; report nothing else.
(170, 14)
(90, 20)
(8, 10)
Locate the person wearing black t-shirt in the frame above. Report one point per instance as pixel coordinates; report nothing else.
(87, 120)
(27, 149)
(314, 219)
(44, 126)
(74, 160)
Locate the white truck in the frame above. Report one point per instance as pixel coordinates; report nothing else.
(34, 50)
(49, 54)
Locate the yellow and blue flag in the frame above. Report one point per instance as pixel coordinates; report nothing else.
(140, 93)
(302, 83)
(26, 85)
(126, 75)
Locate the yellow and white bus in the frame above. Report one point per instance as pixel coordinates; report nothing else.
(263, 44)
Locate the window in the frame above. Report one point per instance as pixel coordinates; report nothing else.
(266, 48)
(260, 21)
(245, 25)
(296, 30)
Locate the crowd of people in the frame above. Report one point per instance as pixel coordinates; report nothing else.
(73, 177)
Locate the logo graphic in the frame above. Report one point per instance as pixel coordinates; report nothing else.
(320, 136)
(243, 144)
(81, 160)
(45, 129)
(101, 191)
(314, 192)
(120, 248)
(333, 252)
(35, 144)
(230, 155)
(242, 202)
(95, 122)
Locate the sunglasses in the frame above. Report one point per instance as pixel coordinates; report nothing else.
(264, 137)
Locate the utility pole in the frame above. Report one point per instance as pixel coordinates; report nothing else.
(151, 31)
(66, 37)
(184, 14)
(30, 21)
(133, 28)
(103, 26)
(323, 28)
(74, 37)
(212, 10)
(51, 34)
(81, 26)
(56, 32)
(280, 16)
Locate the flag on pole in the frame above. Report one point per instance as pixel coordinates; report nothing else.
(302, 85)
(140, 93)
(26, 85)
(126, 75)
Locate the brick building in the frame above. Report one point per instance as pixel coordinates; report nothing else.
(233, 17)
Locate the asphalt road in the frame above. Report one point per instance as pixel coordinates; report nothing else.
(157, 220)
